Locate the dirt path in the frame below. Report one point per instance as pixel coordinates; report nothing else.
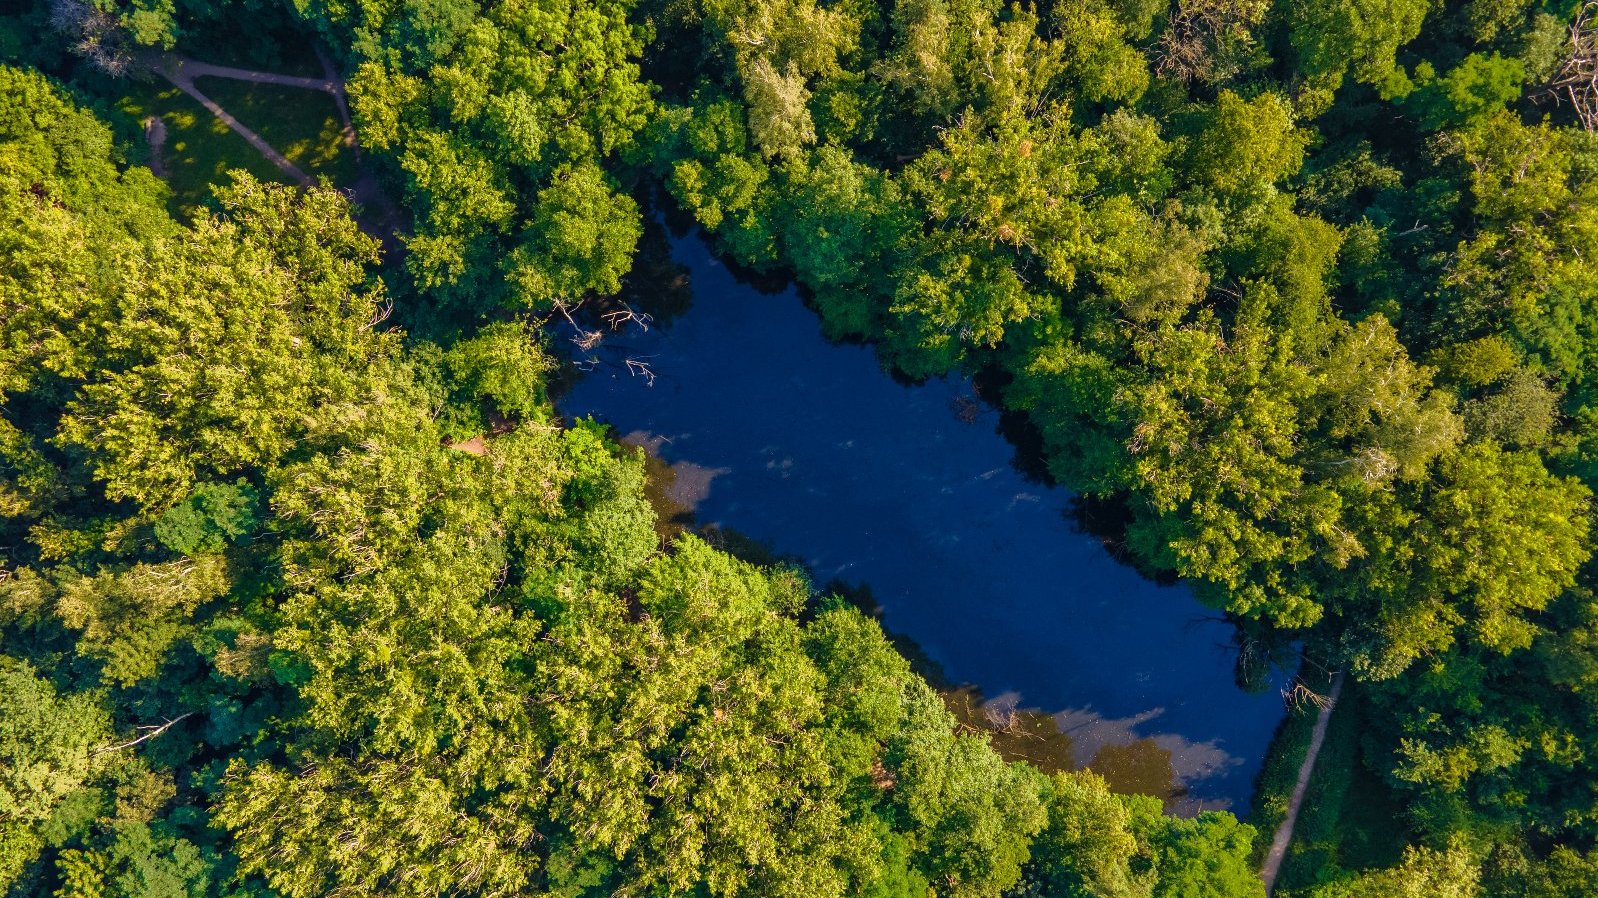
(193, 68)
(336, 88)
(1284, 833)
(376, 214)
(182, 72)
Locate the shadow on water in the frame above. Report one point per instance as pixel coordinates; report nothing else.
(929, 508)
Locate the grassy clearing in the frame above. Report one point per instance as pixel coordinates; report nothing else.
(301, 124)
(200, 150)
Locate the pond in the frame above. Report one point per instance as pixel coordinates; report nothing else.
(908, 495)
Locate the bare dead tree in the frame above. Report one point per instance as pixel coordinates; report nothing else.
(1001, 716)
(1203, 38)
(95, 34)
(584, 338)
(150, 731)
(1576, 80)
(628, 314)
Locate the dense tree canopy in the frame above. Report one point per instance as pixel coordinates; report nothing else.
(323, 653)
(1304, 291)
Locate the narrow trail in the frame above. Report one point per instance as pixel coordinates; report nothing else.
(1284, 833)
(336, 88)
(376, 213)
(182, 72)
(193, 68)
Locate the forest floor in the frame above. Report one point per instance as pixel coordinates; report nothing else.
(182, 72)
(1284, 832)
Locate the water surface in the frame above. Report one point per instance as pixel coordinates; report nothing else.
(909, 491)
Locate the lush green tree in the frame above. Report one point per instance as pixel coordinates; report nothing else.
(1479, 86)
(1451, 873)
(138, 862)
(975, 814)
(126, 619)
(48, 751)
(1246, 147)
(1333, 37)
(214, 515)
(498, 121)
(846, 227)
(1205, 855)
(579, 239)
(1088, 846)
(168, 390)
(1525, 268)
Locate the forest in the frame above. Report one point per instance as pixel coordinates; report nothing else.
(1305, 292)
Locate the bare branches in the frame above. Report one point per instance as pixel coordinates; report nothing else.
(640, 368)
(1576, 80)
(1204, 36)
(379, 314)
(628, 314)
(965, 408)
(150, 731)
(1300, 695)
(585, 339)
(94, 34)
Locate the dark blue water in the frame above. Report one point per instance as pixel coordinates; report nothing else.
(809, 447)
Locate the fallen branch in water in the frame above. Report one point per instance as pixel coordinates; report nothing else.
(1301, 695)
(639, 368)
(628, 313)
(585, 339)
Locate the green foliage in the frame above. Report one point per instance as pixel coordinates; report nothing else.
(1207, 248)
(498, 122)
(975, 813)
(418, 670)
(128, 620)
(1089, 844)
(1477, 87)
(579, 239)
(1246, 146)
(504, 365)
(1333, 37)
(1525, 268)
(213, 516)
(1423, 872)
(1205, 855)
(1564, 872)
(47, 752)
(138, 863)
(287, 281)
